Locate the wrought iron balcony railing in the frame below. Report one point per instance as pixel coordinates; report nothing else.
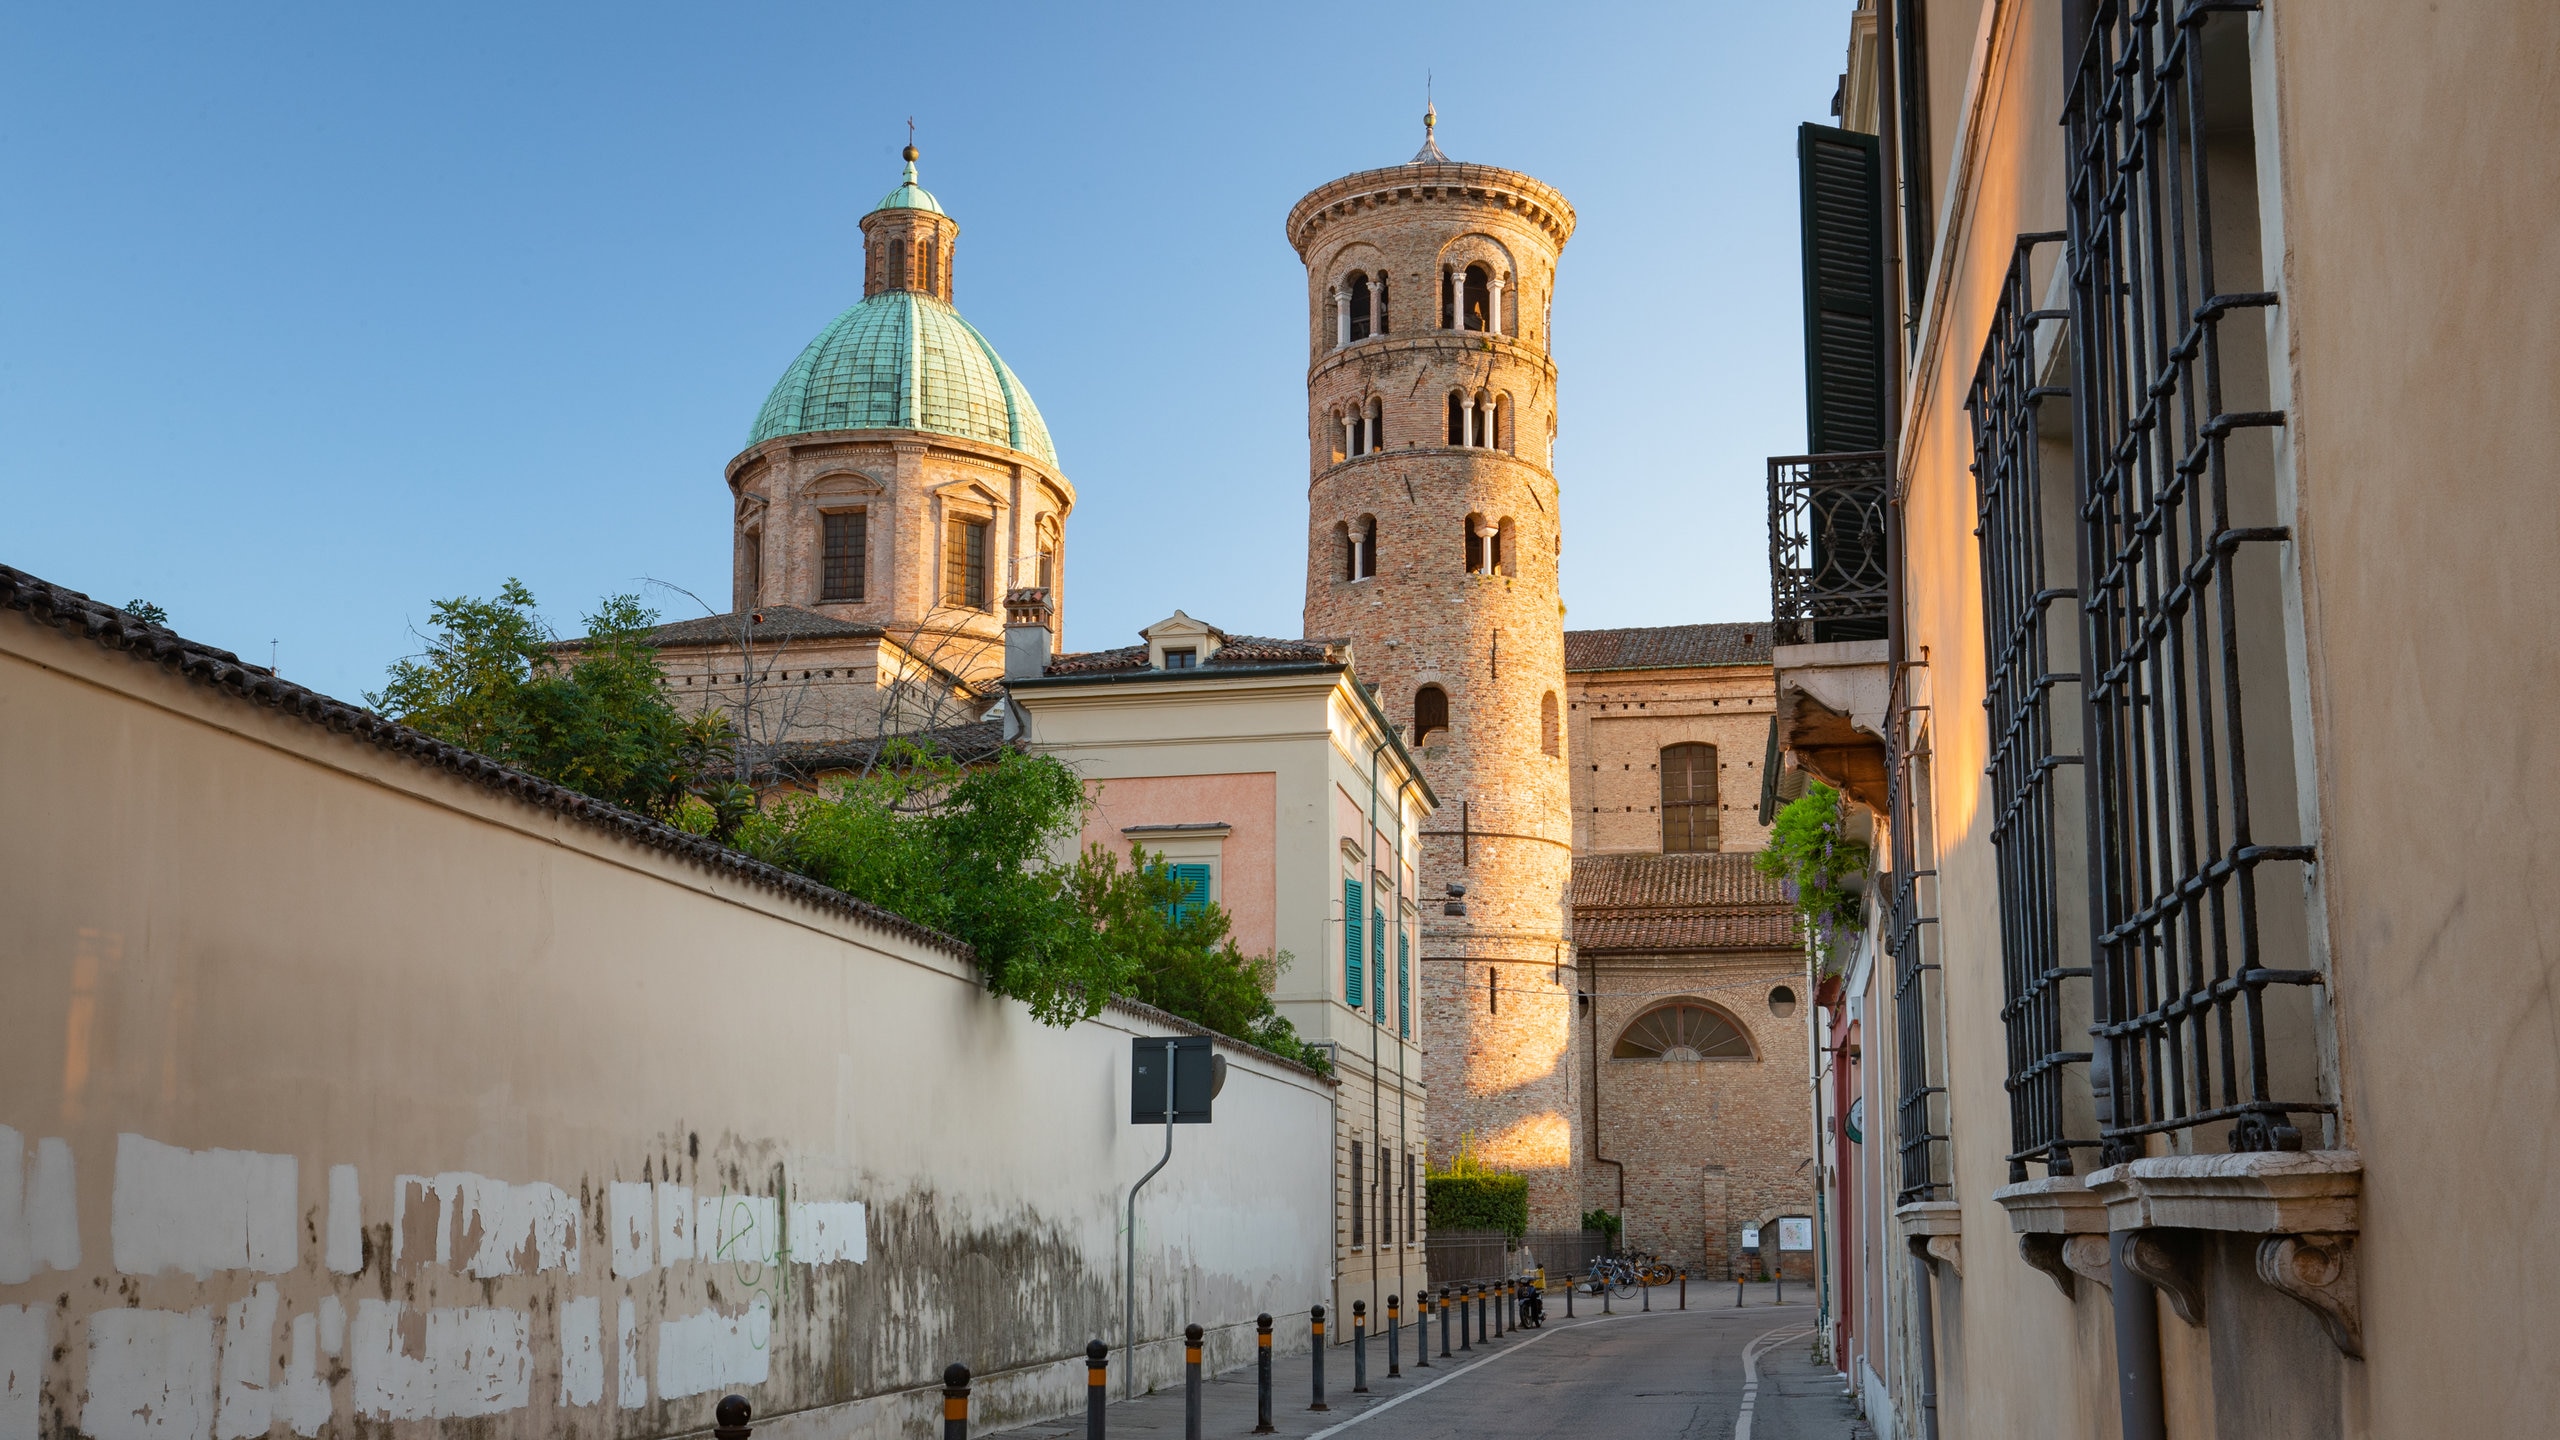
(1827, 547)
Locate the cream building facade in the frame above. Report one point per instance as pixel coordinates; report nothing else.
(1265, 772)
(2178, 431)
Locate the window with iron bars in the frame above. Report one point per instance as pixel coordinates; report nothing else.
(2023, 494)
(2203, 984)
(1911, 942)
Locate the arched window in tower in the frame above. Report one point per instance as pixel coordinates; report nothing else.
(1690, 810)
(1362, 306)
(897, 278)
(1479, 298)
(1364, 548)
(1457, 418)
(1341, 437)
(1348, 549)
(1506, 549)
(1378, 303)
(1478, 532)
(1048, 567)
(1430, 712)
(1550, 730)
(1377, 425)
(930, 271)
(1506, 424)
(1683, 1030)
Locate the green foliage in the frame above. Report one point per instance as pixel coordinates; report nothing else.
(490, 682)
(1810, 849)
(1472, 1195)
(1190, 966)
(145, 610)
(1604, 1221)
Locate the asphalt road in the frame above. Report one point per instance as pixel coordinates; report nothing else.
(1669, 1373)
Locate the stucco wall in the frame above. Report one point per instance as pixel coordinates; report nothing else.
(345, 1088)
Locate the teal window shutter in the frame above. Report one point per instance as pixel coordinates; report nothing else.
(1378, 955)
(1404, 985)
(1351, 988)
(1194, 880)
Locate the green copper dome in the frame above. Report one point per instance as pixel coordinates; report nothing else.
(904, 361)
(910, 196)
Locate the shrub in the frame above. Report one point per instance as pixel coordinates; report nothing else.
(1471, 1195)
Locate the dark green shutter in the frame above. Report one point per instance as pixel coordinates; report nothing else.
(1845, 317)
(1194, 880)
(1351, 943)
(1378, 955)
(1404, 986)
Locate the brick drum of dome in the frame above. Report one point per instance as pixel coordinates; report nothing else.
(1432, 545)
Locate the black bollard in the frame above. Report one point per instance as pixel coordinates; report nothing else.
(1504, 1321)
(1782, 1287)
(1444, 1322)
(1395, 1332)
(1190, 1382)
(1262, 1377)
(955, 1402)
(1359, 1347)
(1422, 1329)
(1315, 1318)
(1648, 1295)
(1482, 1309)
(1568, 1297)
(1511, 1306)
(733, 1414)
(1465, 1341)
(1097, 1388)
(1737, 1294)
(1684, 1289)
(1608, 1298)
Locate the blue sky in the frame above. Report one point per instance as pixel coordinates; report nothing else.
(313, 314)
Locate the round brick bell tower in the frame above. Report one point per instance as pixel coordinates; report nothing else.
(1432, 542)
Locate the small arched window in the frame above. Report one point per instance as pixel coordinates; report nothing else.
(1341, 438)
(1505, 549)
(1377, 426)
(1457, 418)
(1430, 712)
(1378, 303)
(1476, 538)
(1364, 548)
(1550, 738)
(1479, 298)
(1505, 428)
(1683, 1030)
(1348, 549)
(931, 269)
(1689, 806)
(1362, 306)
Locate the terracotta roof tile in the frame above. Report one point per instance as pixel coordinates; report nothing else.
(1678, 902)
(781, 622)
(1746, 930)
(1237, 652)
(1668, 647)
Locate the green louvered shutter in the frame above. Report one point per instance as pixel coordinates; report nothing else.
(1404, 985)
(1378, 958)
(1845, 317)
(1194, 880)
(1351, 990)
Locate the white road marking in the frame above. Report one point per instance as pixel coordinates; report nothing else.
(1751, 1374)
(1380, 1409)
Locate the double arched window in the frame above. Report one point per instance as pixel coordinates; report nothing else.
(1359, 541)
(1683, 1030)
(1490, 547)
(1480, 420)
(1360, 430)
(1430, 712)
(1471, 298)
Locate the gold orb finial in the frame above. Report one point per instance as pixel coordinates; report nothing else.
(1430, 117)
(911, 154)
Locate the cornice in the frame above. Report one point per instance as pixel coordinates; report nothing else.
(1417, 452)
(909, 441)
(1475, 341)
(1532, 199)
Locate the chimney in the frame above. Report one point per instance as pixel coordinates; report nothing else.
(1026, 632)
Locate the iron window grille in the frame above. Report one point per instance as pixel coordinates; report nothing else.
(1827, 547)
(2180, 888)
(1911, 942)
(2032, 703)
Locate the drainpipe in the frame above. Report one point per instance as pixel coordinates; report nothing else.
(1924, 1321)
(2137, 1316)
(1821, 1217)
(1592, 1013)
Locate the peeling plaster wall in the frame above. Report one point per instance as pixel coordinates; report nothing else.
(342, 1096)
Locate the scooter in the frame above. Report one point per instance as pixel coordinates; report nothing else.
(1533, 1307)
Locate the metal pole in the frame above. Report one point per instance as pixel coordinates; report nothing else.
(1647, 1287)
(1481, 1314)
(1464, 1342)
(1608, 1295)
(1395, 1336)
(1568, 1297)
(1422, 1329)
(955, 1402)
(1444, 1322)
(1097, 1387)
(1359, 1348)
(1263, 1377)
(1129, 1310)
(1190, 1382)
(1684, 1289)
(1927, 1326)
(1315, 1319)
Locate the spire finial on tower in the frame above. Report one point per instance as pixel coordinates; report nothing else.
(1429, 154)
(911, 145)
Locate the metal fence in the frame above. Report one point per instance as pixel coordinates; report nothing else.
(1827, 547)
(1462, 1256)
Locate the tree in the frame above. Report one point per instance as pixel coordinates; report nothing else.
(145, 611)
(489, 681)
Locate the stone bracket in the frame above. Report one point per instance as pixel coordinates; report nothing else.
(2045, 1253)
(2321, 1272)
(2167, 1260)
(2087, 1257)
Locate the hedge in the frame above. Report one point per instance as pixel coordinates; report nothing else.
(1480, 1201)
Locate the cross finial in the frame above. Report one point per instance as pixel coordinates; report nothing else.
(911, 140)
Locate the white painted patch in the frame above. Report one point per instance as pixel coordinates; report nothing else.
(202, 1210)
(150, 1375)
(825, 1231)
(346, 1221)
(53, 1206)
(675, 1223)
(17, 1245)
(507, 1229)
(736, 1229)
(582, 1351)
(248, 1340)
(631, 1387)
(26, 1334)
(303, 1400)
(476, 1360)
(707, 1350)
(634, 1228)
(333, 1325)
